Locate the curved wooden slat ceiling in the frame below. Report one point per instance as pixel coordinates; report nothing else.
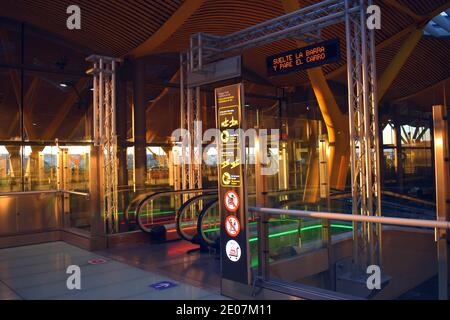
(112, 27)
(224, 16)
(116, 27)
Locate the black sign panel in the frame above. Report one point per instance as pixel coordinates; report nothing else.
(232, 199)
(303, 58)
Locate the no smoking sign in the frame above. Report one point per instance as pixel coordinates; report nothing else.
(231, 201)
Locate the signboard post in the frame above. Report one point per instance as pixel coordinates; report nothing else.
(232, 184)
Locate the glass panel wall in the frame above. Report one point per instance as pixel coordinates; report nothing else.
(407, 149)
(10, 101)
(45, 121)
(45, 96)
(56, 106)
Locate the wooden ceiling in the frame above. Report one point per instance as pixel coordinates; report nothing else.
(116, 27)
(155, 27)
(112, 27)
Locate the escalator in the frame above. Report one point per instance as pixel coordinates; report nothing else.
(196, 218)
(158, 223)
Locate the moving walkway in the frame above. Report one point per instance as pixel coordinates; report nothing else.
(196, 219)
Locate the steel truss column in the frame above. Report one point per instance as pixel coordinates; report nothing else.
(190, 107)
(104, 135)
(364, 138)
(306, 24)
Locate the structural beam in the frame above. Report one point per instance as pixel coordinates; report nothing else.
(394, 67)
(28, 105)
(424, 20)
(64, 110)
(336, 122)
(16, 84)
(155, 101)
(442, 84)
(168, 28)
(400, 7)
(139, 123)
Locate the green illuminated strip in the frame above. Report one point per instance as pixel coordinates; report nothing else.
(155, 213)
(341, 226)
(270, 221)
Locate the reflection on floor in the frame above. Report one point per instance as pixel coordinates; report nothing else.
(428, 290)
(39, 272)
(173, 260)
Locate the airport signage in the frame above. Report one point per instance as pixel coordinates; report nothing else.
(231, 170)
(303, 58)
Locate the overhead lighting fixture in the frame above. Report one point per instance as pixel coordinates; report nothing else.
(62, 84)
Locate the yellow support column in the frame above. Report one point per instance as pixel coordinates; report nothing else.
(335, 120)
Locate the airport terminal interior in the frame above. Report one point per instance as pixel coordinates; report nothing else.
(224, 149)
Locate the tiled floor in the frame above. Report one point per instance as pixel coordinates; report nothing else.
(172, 259)
(39, 272)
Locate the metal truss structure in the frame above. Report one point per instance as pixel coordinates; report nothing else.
(364, 137)
(104, 135)
(191, 162)
(306, 24)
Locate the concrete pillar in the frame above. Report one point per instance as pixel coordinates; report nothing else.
(139, 104)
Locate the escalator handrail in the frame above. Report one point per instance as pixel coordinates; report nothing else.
(202, 214)
(160, 194)
(136, 201)
(210, 204)
(184, 207)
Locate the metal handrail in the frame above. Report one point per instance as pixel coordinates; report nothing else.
(353, 217)
(186, 205)
(136, 201)
(202, 214)
(160, 194)
(211, 204)
(20, 193)
(77, 193)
